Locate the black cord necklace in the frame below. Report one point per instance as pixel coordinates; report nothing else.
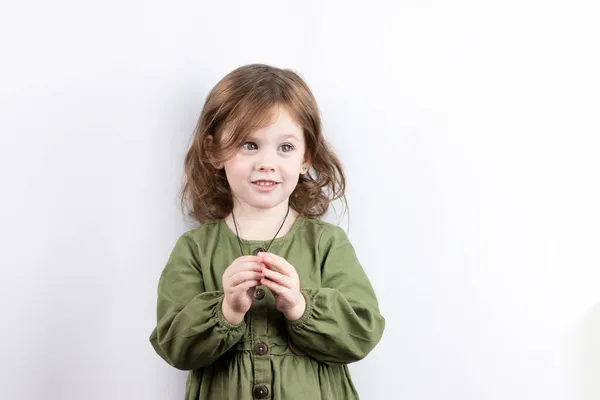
(260, 249)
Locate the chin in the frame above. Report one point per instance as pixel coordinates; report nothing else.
(264, 203)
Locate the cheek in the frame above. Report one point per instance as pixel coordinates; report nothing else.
(292, 169)
(237, 171)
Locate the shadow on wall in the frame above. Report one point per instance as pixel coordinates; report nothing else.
(590, 356)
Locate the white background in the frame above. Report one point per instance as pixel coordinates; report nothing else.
(468, 130)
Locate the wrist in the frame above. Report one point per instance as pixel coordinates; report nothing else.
(233, 317)
(296, 312)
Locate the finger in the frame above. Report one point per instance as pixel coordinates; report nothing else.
(245, 286)
(245, 259)
(278, 262)
(244, 268)
(274, 286)
(243, 276)
(254, 264)
(278, 278)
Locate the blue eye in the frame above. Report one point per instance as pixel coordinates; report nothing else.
(286, 148)
(250, 146)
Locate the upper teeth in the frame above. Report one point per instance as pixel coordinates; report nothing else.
(265, 183)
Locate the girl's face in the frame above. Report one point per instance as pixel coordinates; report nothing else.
(265, 170)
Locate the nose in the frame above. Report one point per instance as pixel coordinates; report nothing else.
(264, 167)
(266, 162)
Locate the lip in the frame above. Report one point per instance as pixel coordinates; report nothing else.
(264, 188)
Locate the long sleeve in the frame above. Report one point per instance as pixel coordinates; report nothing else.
(191, 331)
(342, 322)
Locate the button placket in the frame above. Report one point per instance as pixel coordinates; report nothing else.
(263, 374)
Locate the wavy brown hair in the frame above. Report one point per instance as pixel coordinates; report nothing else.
(240, 103)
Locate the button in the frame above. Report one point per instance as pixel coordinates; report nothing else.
(261, 392)
(259, 250)
(259, 294)
(261, 349)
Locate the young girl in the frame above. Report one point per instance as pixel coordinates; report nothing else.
(264, 300)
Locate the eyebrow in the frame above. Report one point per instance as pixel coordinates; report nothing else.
(280, 137)
(290, 136)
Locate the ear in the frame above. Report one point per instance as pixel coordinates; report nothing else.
(208, 143)
(305, 166)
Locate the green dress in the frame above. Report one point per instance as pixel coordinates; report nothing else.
(266, 356)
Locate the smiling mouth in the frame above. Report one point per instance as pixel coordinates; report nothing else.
(265, 183)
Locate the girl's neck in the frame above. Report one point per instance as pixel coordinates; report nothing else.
(261, 224)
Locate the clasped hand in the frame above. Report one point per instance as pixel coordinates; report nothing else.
(270, 270)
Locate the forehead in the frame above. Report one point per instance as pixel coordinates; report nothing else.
(274, 124)
(280, 125)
